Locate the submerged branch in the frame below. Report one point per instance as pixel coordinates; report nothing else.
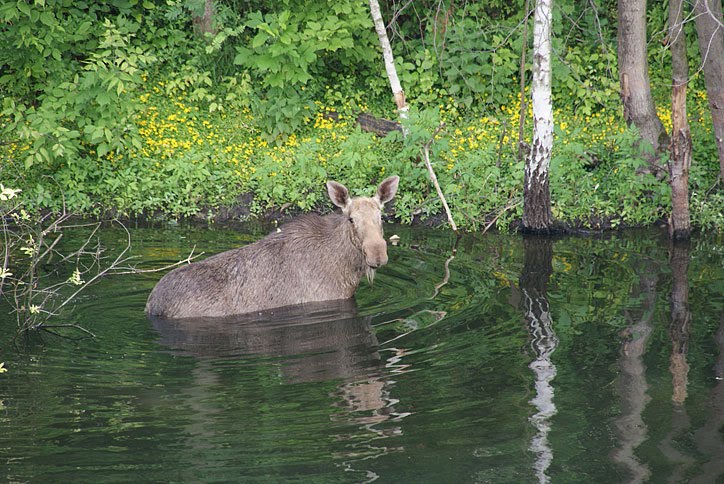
(47, 329)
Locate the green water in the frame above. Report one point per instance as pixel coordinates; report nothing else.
(513, 361)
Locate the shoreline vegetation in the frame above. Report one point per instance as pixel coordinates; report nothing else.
(203, 166)
(126, 109)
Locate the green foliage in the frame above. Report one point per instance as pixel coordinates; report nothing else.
(604, 185)
(68, 78)
(124, 106)
(297, 182)
(286, 50)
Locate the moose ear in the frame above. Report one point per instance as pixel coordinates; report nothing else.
(387, 189)
(338, 193)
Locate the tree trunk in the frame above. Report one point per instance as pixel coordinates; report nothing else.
(537, 215)
(523, 105)
(638, 104)
(710, 30)
(709, 442)
(630, 427)
(680, 159)
(204, 21)
(397, 91)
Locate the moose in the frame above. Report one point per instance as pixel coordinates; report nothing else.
(311, 258)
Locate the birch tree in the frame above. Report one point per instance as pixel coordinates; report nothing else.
(680, 159)
(710, 30)
(537, 215)
(397, 91)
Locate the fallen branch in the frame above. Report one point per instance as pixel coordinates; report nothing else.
(433, 177)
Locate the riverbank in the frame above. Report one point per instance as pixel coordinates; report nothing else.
(200, 164)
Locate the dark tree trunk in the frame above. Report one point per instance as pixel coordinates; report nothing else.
(711, 44)
(638, 103)
(680, 159)
(708, 438)
(680, 459)
(537, 215)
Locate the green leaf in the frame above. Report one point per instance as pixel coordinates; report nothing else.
(259, 39)
(103, 149)
(23, 7)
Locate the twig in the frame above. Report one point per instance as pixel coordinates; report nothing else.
(426, 156)
(507, 207)
(133, 270)
(74, 326)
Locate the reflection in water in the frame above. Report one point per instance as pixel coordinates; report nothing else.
(311, 343)
(678, 366)
(537, 270)
(680, 321)
(709, 438)
(631, 382)
(334, 341)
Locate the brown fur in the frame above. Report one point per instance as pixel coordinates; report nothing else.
(312, 258)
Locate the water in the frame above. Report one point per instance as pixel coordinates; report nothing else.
(593, 359)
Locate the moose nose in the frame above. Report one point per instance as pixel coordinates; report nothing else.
(376, 255)
(378, 261)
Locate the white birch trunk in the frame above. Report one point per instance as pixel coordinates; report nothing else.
(397, 91)
(537, 211)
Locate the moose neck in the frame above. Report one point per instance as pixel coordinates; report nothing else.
(332, 249)
(347, 248)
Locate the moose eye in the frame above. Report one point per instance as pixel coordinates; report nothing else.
(351, 220)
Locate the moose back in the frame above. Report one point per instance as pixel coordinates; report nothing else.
(311, 258)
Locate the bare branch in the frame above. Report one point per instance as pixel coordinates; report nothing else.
(433, 177)
(47, 328)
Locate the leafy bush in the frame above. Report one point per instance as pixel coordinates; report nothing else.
(68, 77)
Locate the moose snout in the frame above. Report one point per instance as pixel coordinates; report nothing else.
(376, 254)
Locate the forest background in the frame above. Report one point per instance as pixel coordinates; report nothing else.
(231, 108)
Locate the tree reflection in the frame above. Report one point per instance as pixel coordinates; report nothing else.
(631, 383)
(537, 269)
(678, 366)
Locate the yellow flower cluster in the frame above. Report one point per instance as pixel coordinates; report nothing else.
(664, 113)
(172, 127)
